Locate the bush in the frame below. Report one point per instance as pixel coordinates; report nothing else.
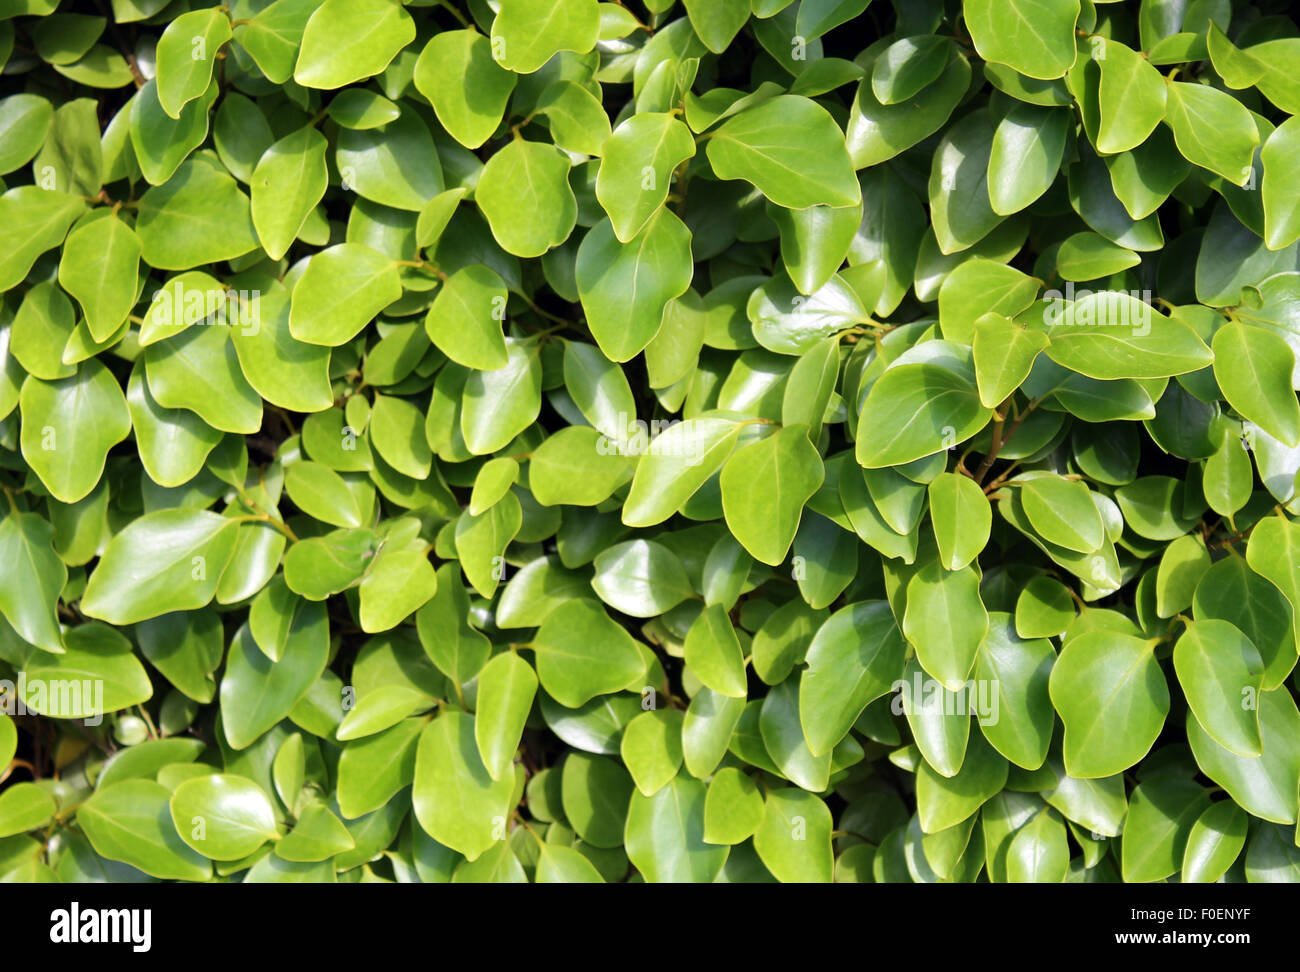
(577, 442)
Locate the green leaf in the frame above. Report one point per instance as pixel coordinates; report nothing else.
(907, 66)
(1011, 692)
(199, 371)
(1062, 511)
(197, 216)
(481, 542)
(1038, 853)
(1260, 785)
(98, 267)
(1253, 368)
(1034, 37)
(1090, 256)
(24, 122)
(877, 132)
(713, 653)
(317, 836)
(1112, 698)
(467, 88)
(451, 642)
(945, 621)
(68, 427)
(716, 22)
(464, 321)
(1131, 99)
(1161, 813)
(960, 207)
(783, 738)
(340, 292)
(1212, 129)
(665, 835)
(1235, 591)
(8, 739)
(576, 466)
(564, 865)
(794, 839)
(131, 822)
(625, 288)
(766, 522)
(256, 693)
(23, 807)
(320, 492)
(396, 165)
(1182, 566)
(46, 216)
(273, 37)
(595, 792)
(1278, 188)
(498, 405)
(733, 808)
(854, 658)
(527, 33)
(33, 579)
(170, 560)
(600, 390)
(640, 578)
(919, 409)
(652, 749)
(791, 149)
(961, 517)
(506, 687)
(576, 117)
(784, 321)
(455, 799)
(943, 802)
(186, 54)
(710, 720)
(1109, 335)
(1214, 843)
(524, 192)
(1217, 665)
(283, 370)
(1025, 156)
(581, 653)
(396, 585)
(289, 181)
(348, 40)
(222, 816)
(636, 167)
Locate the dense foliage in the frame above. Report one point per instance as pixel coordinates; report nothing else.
(722, 441)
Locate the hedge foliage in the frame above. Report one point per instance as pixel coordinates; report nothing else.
(723, 441)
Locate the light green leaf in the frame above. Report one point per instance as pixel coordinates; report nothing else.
(581, 653)
(625, 287)
(1112, 698)
(455, 799)
(340, 292)
(222, 816)
(467, 88)
(506, 687)
(791, 149)
(524, 193)
(68, 427)
(348, 40)
(527, 33)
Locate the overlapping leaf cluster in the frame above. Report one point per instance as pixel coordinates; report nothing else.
(732, 440)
